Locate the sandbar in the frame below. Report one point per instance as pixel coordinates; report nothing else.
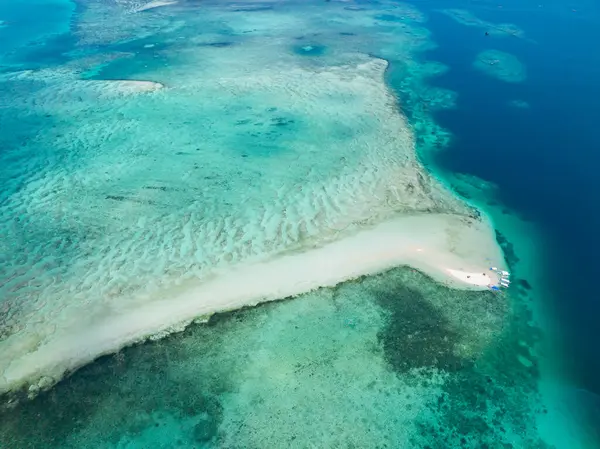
(155, 4)
(132, 86)
(443, 246)
(158, 250)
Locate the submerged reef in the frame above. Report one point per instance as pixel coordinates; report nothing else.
(501, 65)
(465, 17)
(519, 104)
(263, 158)
(394, 359)
(155, 174)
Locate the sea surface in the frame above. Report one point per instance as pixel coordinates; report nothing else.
(102, 182)
(542, 156)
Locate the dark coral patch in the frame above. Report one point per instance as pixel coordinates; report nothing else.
(417, 335)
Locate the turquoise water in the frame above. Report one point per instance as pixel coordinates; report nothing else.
(390, 360)
(539, 158)
(245, 132)
(131, 177)
(33, 32)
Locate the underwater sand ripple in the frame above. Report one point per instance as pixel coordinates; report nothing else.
(146, 238)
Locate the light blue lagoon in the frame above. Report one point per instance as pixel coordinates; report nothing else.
(165, 164)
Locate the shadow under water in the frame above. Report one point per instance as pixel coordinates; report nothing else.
(393, 360)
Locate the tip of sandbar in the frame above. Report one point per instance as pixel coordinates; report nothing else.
(142, 86)
(127, 87)
(156, 4)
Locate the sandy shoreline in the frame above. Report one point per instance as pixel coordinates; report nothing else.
(432, 243)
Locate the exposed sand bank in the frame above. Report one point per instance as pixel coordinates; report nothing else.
(270, 183)
(441, 246)
(131, 86)
(155, 4)
(64, 85)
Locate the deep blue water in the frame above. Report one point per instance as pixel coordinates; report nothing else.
(545, 159)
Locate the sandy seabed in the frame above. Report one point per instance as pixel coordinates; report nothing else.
(277, 177)
(442, 246)
(274, 162)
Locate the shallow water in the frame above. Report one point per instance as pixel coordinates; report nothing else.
(136, 173)
(271, 132)
(391, 360)
(539, 158)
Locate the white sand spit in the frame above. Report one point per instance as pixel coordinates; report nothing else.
(446, 247)
(132, 86)
(155, 4)
(481, 279)
(166, 227)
